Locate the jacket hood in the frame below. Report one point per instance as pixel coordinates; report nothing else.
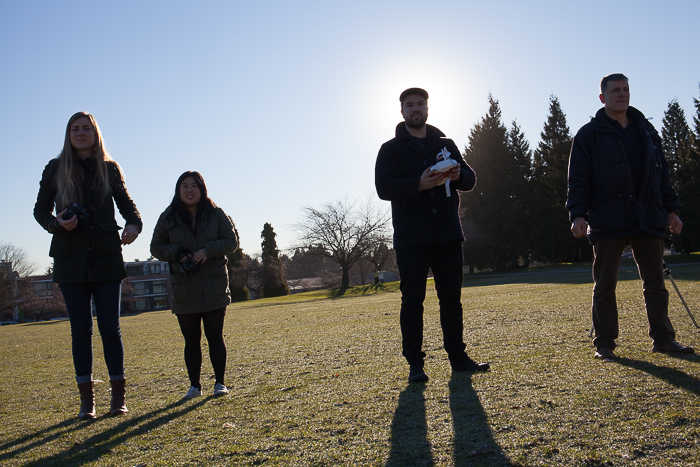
(402, 132)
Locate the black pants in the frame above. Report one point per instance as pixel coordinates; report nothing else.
(648, 254)
(190, 325)
(445, 260)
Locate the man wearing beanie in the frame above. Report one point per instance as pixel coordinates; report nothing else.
(421, 171)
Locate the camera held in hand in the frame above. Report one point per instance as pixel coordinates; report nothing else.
(189, 267)
(76, 209)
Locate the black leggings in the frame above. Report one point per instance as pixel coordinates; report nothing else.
(192, 332)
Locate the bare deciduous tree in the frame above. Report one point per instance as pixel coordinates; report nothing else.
(38, 305)
(343, 232)
(10, 253)
(14, 265)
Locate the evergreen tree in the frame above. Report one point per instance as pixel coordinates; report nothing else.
(689, 187)
(274, 283)
(676, 144)
(237, 275)
(521, 196)
(553, 241)
(492, 213)
(675, 140)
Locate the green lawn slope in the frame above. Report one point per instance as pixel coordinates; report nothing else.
(318, 380)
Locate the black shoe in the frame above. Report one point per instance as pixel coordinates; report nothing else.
(671, 346)
(605, 353)
(416, 374)
(467, 364)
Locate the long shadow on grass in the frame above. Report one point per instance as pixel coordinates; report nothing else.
(409, 430)
(41, 437)
(473, 441)
(670, 375)
(91, 449)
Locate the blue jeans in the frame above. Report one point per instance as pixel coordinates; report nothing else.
(445, 260)
(107, 298)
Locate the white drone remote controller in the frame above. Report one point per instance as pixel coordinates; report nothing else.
(444, 166)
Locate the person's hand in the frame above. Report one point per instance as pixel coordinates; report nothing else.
(454, 173)
(579, 227)
(430, 179)
(200, 257)
(68, 225)
(129, 234)
(675, 223)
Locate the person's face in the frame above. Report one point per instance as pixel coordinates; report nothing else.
(415, 110)
(617, 96)
(189, 192)
(82, 136)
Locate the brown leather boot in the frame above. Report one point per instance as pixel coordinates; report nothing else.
(87, 401)
(118, 404)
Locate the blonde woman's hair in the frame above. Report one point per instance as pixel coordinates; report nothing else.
(70, 176)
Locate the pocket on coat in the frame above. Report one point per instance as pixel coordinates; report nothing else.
(607, 214)
(107, 242)
(60, 245)
(217, 267)
(178, 287)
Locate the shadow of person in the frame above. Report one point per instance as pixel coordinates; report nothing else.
(672, 376)
(28, 442)
(409, 430)
(473, 441)
(99, 444)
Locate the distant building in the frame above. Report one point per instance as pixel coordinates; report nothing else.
(9, 280)
(148, 286)
(42, 285)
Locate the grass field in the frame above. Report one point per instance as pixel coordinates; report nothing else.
(319, 380)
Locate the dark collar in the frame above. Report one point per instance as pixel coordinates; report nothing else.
(432, 132)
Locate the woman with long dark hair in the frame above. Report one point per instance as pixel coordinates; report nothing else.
(194, 236)
(82, 184)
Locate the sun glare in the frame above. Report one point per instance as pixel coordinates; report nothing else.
(453, 97)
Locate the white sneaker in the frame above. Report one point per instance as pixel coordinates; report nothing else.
(220, 389)
(192, 393)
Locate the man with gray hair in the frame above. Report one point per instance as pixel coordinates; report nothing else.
(620, 193)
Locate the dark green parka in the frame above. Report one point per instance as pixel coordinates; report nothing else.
(92, 252)
(207, 289)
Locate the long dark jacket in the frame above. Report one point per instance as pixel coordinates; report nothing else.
(207, 289)
(601, 187)
(92, 252)
(420, 217)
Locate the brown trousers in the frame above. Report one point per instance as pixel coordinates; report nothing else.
(648, 254)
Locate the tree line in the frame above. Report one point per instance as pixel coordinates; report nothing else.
(514, 217)
(516, 214)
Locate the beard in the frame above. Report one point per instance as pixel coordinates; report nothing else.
(416, 121)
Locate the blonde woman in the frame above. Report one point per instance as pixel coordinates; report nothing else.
(82, 184)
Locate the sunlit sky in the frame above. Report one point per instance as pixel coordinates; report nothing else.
(282, 105)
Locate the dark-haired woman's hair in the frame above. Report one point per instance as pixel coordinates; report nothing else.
(204, 207)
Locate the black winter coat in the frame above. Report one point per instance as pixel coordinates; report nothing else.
(420, 217)
(600, 181)
(92, 252)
